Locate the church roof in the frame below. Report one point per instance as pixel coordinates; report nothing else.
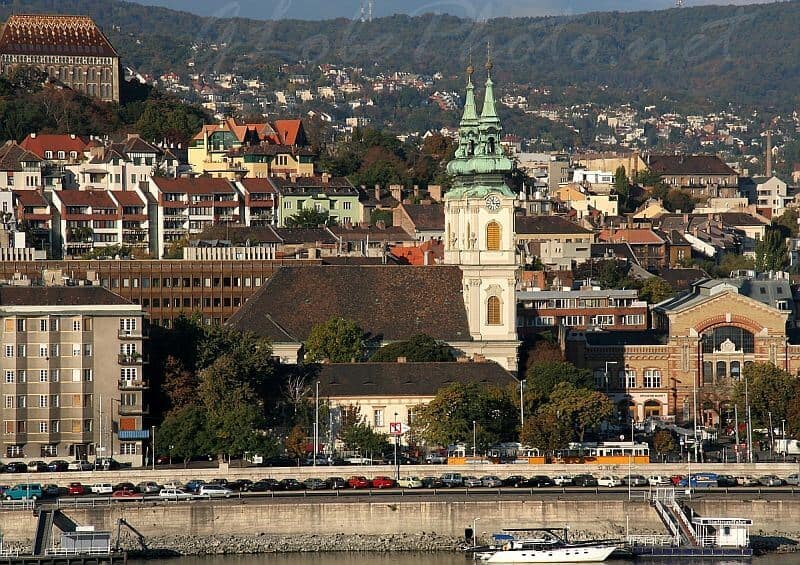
(37, 34)
(388, 302)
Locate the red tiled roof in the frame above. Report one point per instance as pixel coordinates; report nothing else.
(632, 236)
(290, 132)
(239, 130)
(39, 143)
(35, 34)
(30, 198)
(127, 198)
(258, 186)
(198, 185)
(93, 198)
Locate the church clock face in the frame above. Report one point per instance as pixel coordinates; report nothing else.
(493, 203)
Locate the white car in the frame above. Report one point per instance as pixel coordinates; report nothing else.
(172, 485)
(102, 488)
(562, 480)
(80, 466)
(658, 480)
(174, 494)
(409, 482)
(609, 481)
(214, 491)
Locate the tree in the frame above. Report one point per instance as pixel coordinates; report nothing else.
(656, 289)
(677, 199)
(296, 443)
(360, 436)
(546, 430)
(787, 222)
(338, 340)
(622, 187)
(308, 218)
(543, 377)
(448, 418)
(180, 384)
(184, 434)
(769, 390)
(771, 251)
(421, 348)
(663, 442)
(584, 409)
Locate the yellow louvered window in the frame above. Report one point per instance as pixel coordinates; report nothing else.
(493, 317)
(493, 236)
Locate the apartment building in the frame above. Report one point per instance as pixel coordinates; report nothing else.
(19, 168)
(134, 224)
(260, 202)
(582, 309)
(35, 215)
(72, 374)
(334, 195)
(86, 220)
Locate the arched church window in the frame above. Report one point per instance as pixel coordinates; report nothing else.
(493, 236)
(471, 150)
(729, 339)
(490, 146)
(493, 317)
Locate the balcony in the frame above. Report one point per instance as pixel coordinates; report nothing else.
(125, 384)
(133, 410)
(131, 359)
(130, 334)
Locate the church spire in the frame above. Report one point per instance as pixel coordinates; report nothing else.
(470, 117)
(489, 114)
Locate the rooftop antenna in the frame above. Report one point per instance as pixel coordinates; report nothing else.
(679, 3)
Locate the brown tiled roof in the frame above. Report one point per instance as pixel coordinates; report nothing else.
(426, 217)
(77, 36)
(389, 233)
(12, 155)
(388, 302)
(240, 235)
(632, 236)
(688, 165)
(269, 149)
(258, 186)
(198, 185)
(93, 198)
(740, 219)
(301, 185)
(293, 236)
(535, 225)
(127, 198)
(55, 142)
(405, 379)
(30, 198)
(58, 296)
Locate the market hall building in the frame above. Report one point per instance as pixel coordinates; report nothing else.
(700, 343)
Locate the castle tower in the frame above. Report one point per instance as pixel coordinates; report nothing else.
(479, 229)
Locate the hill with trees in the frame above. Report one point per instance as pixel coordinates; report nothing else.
(700, 57)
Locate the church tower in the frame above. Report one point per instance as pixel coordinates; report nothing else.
(479, 229)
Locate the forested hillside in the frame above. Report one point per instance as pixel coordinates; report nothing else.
(747, 54)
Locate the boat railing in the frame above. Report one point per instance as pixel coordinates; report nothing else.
(651, 541)
(707, 541)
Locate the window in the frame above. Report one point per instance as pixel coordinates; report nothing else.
(128, 374)
(54, 402)
(43, 350)
(377, 417)
(43, 325)
(544, 321)
(21, 376)
(76, 349)
(54, 350)
(493, 236)
(43, 427)
(708, 372)
(10, 376)
(722, 369)
(22, 401)
(652, 378)
(55, 376)
(9, 350)
(573, 320)
(127, 325)
(633, 319)
(87, 375)
(50, 449)
(630, 378)
(43, 401)
(42, 375)
(732, 337)
(127, 448)
(21, 325)
(22, 350)
(87, 426)
(76, 325)
(346, 205)
(735, 370)
(493, 315)
(13, 450)
(602, 320)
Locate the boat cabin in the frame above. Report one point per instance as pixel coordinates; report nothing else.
(723, 532)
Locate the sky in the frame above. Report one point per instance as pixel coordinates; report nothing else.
(477, 9)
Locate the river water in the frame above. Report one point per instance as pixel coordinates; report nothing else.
(444, 558)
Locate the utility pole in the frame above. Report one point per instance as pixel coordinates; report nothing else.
(474, 440)
(521, 405)
(736, 429)
(749, 424)
(316, 424)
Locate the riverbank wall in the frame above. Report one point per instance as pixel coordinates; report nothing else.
(261, 525)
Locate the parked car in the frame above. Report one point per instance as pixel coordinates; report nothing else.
(264, 485)
(409, 482)
(562, 480)
(148, 487)
(106, 464)
(676, 479)
(58, 466)
(290, 484)
(102, 488)
(472, 482)
(584, 480)
(173, 484)
(516, 481)
(125, 493)
(336, 482)
(432, 482)
(192, 486)
(25, 491)
(240, 485)
(124, 486)
(215, 491)
(383, 482)
(358, 481)
(435, 459)
(80, 465)
(16, 467)
(658, 480)
(726, 481)
(174, 494)
(51, 490)
(452, 480)
(792, 480)
(219, 481)
(540, 481)
(770, 481)
(635, 480)
(315, 484)
(37, 466)
(358, 460)
(491, 481)
(76, 489)
(746, 481)
(609, 481)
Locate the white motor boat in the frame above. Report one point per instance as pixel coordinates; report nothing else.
(544, 546)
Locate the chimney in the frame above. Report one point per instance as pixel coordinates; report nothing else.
(478, 358)
(435, 192)
(326, 177)
(72, 136)
(402, 360)
(397, 192)
(33, 135)
(426, 257)
(416, 192)
(377, 192)
(769, 154)
(380, 224)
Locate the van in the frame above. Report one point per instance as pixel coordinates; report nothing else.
(452, 480)
(28, 491)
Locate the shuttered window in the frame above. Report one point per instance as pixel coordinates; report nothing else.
(493, 236)
(493, 311)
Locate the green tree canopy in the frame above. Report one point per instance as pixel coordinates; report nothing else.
(421, 348)
(338, 340)
(357, 434)
(655, 289)
(543, 377)
(184, 434)
(768, 389)
(546, 430)
(622, 187)
(787, 222)
(771, 251)
(584, 409)
(308, 218)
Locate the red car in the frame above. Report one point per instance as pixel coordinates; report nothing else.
(676, 479)
(358, 481)
(125, 493)
(383, 482)
(76, 489)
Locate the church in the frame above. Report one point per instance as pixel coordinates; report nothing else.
(468, 302)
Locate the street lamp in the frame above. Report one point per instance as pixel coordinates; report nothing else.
(396, 439)
(521, 404)
(474, 440)
(316, 425)
(153, 429)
